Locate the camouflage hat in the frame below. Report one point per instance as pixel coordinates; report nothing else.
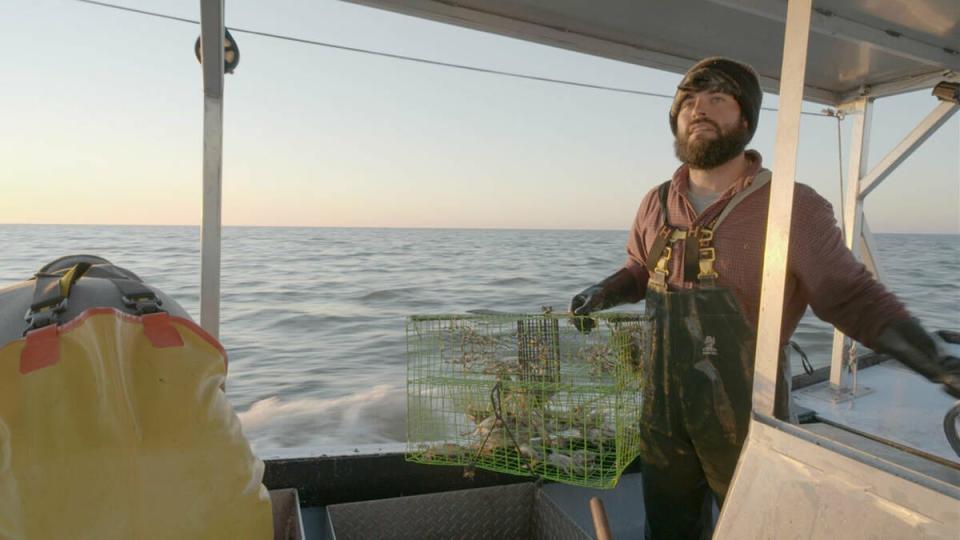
(727, 76)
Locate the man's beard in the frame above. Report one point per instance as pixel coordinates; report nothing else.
(707, 154)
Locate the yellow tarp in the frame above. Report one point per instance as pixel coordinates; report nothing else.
(111, 430)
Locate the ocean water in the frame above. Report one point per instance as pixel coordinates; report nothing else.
(313, 318)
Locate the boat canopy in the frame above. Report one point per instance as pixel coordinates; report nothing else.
(857, 48)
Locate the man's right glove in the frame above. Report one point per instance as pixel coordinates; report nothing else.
(619, 288)
(905, 340)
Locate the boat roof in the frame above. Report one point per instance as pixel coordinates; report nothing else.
(857, 47)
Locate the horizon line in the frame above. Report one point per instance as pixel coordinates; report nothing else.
(442, 228)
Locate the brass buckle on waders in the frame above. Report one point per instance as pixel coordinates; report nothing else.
(662, 270)
(707, 256)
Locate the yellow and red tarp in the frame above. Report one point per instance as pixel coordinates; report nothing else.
(117, 426)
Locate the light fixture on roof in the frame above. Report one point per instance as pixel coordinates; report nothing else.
(947, 91)
(231, 53)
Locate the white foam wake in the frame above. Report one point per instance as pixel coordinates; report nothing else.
(372, 416)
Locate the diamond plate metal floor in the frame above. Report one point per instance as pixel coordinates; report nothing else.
(510, 511)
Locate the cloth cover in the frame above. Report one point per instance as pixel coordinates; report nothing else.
(117, 426)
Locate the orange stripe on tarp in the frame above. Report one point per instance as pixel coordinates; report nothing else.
(90, 312)
(158, 327)
(42, 349)
(194, 327)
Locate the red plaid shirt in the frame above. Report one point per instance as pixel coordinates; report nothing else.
(821, 271)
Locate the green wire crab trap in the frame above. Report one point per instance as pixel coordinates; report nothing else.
(525, 394)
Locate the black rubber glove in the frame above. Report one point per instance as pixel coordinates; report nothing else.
(619, 288)
(908, 342)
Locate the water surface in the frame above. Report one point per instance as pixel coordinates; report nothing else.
(313, 318)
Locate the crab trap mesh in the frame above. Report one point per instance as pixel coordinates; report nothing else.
(525, 394)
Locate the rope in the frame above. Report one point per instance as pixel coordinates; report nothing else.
(843, 206)
(804, 361)
(852, 363)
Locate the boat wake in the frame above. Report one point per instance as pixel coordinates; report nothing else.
(376, 415)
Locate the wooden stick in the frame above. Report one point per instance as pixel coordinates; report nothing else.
(600, 524)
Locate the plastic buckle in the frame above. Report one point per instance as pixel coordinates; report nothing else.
(43, 316)
(705, 236)
(143, 304)
(677, 235)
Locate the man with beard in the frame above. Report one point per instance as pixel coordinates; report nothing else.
(695, 254)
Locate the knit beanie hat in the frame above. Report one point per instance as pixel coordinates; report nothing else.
(727, 76)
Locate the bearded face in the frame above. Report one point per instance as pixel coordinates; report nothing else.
(705, 144)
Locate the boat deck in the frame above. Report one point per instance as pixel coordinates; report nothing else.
(896, 417)
(893, 404)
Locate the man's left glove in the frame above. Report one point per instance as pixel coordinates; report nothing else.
(905, 340)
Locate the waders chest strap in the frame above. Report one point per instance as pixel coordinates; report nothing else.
(699, 254)
(699, 257)
(658, 258)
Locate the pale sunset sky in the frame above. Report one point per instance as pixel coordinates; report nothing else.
(101, 123)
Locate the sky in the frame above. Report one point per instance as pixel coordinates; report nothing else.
(101, 122)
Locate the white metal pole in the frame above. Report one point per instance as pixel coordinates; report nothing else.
(792, 71)
(868, 252)
(211, 42)
(861, 111)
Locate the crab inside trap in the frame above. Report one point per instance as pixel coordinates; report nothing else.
(525, 394)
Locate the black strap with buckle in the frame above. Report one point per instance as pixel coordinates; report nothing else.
(658, 257)
(51, 293)
(665, 232)
(138, 297)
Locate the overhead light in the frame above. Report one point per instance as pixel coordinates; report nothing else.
(947, 91)
(231, 53)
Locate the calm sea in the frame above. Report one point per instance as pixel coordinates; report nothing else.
(313, 318)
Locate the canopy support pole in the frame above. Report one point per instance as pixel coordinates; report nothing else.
(868, 252)
(927, 127)
(861, 111)
(861, 184)
(211, 42)
(792, 72)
